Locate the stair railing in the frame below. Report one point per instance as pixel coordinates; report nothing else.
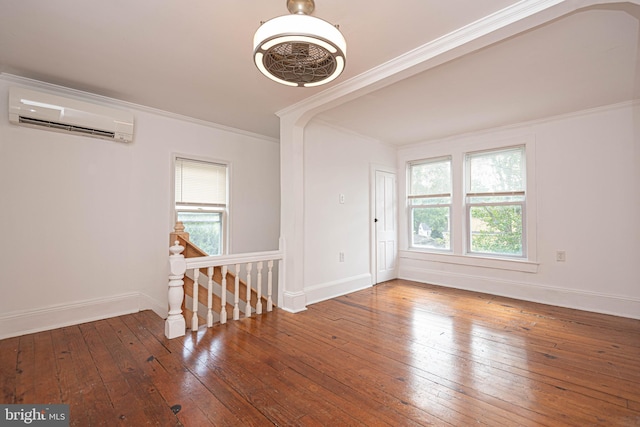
(191, 268)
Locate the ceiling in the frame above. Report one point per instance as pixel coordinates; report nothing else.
(585, 60)
(196, 61)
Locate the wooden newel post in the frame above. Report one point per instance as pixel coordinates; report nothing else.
(175, 325)
(178, 231)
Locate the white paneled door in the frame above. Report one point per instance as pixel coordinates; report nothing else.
(386, 226)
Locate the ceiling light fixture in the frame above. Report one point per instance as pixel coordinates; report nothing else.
(299, 49)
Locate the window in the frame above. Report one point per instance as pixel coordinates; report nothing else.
(495, 202)
(430, 203)
(201, 202)
(473, 207)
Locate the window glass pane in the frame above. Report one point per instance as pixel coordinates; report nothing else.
(431, 177)
(430, 227)
(496, 171)
(496, 229)
(205, 230)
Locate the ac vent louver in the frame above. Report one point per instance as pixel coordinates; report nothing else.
(68, 128)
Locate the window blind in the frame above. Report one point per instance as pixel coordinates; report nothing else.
(496, 172)
(430, 178)
(200, 183)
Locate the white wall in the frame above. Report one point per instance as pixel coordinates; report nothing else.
(337, 162)
(86, 221)
(588, 204)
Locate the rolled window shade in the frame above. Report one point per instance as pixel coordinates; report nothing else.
(499, 172)
(430, 178)
(200, 183)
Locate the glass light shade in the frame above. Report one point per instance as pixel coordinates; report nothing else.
(308, 51)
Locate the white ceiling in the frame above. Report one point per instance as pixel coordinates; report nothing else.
(196, 61)
(585, 60)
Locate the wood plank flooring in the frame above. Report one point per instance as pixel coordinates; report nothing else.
(399, 354)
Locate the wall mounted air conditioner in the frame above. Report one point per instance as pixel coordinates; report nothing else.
(51, 112)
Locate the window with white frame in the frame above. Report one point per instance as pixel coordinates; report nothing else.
(495, 201)
(429, 202)
(474, 207)
(201, 202)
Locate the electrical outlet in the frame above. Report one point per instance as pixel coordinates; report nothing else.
(341, 199)
(341, 257)
(561, 256)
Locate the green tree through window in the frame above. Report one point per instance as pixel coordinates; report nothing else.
(204, 230)
(492, 208)
(430, 203)
(496, 201)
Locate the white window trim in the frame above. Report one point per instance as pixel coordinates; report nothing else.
(472, 261)
(457, 150)
(468, 206)
(226, 216)
(411, 207)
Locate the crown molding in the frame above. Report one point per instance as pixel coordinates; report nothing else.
(520, 127)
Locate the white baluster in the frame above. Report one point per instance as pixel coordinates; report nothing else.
(194, 303)
(247, 306)
(223, 296)
(210, 298)
(236, 295)
(269, 286)
(175, 325)
(259, 290)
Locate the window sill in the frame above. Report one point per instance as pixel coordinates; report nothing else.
(472, 261)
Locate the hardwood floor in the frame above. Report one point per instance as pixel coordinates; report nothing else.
(400, 354)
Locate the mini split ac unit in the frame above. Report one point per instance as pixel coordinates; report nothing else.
(45, 111)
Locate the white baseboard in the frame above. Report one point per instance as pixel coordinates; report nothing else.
(580, 300)
(148, 303)
(58, 316)
(325, 291)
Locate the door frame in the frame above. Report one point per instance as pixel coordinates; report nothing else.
(373, 241)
